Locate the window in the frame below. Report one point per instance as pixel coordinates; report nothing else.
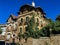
(20, 30)
(41, 24)
(27, 19)
(8, 33)
(21, 20)
(13, 35)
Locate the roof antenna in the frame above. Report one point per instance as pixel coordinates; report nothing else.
(33, 4)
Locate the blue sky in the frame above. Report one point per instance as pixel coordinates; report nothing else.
(7, 7)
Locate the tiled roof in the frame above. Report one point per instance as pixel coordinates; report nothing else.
(13, 17)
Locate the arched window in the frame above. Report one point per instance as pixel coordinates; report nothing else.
(21, 20)
(20, 30)
(27, 19)
(13, 35)
(41, 24)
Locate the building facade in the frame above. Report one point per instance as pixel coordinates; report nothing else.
(16, 24)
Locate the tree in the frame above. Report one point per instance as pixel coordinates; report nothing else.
(34, 31)
(0, 30)
(26, 36)
(45, 32)
(56, 29)
(58, 17)
(31, 26)
(51, 23)
(20, 36)
(52, 26)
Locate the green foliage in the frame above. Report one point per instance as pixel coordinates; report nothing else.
(0, 30)
(26, 35)
(45, 32)
(56, 29)
(55, 26)
(58, 18)
(31, 24)
(51, 24)
(57, 23)
(36, 28)
(20, 35)
(33, 31)
(32, 28)
(35, 34)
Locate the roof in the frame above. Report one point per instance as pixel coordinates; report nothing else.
(39, 9)
(30, 8)
(13, 17)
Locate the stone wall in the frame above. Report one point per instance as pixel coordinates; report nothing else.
(41, 41)
(53, 40)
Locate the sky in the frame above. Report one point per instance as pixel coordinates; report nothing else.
(7, 7)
